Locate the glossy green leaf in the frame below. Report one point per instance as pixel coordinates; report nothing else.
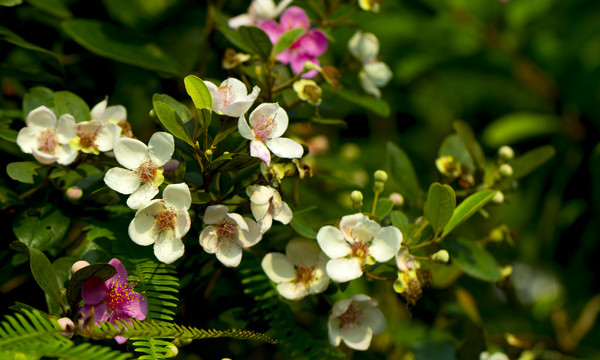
(115, 43)
(231, 162)
(41, 228)
(441, 202)
(23, 171)
(453, 146)
(302, 229)
(230, 34)
(102, 271)
(182, 110)
(201, 97)
(518, 126)
(68, 103)
(228, 127)
(467, 208)
(171, 121)
(200, 197)
(257, 40)
(473, 259)
(378, 106)
(400, 221)
(403, 173)
(54, 7)
(36, 97)
(384, 207)
(42, 271)
(466, 135)
(287, 39)
(531, 160)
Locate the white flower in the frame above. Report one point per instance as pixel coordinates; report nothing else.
(364, 46)
(300, 272)
(114, 113)
(374, 74)
(46, 138)
(258, 11)
(355, 320)
(227, 234)
(94, 136)
(231, 98)
(163, 222)
(269, 121)
(360, 242)
(266, 205)
(495, 356)
(143, 171)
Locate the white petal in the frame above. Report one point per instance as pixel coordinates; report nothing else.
(259, 150)
(208, 240)
(373, 318)
(215, 213)
(161, 147)
(284, 215)
(273, 111)
(217, 103)
(368, 85)
(182, 224)
(168, 248)
(65, 128)
(378, 72)
(348, 223)
(281, 122)
(285, 148)
(41, 117)
(131, 153)
(239, 107)
(178, 195)
(244, 129)
(292, 291)
(240, 20)
(320, 282)
(98, 109)
(107, 136)
(141, 229)
(357, 337)
(239, 220)
(262, 194)
(230, 254)
(333, 327)
(27, 139)
(251, 236)
(116, 113)
(302, 252)
(43, 157)
(340, 307)
(332, 242)
(122, 180)
(278, 268)
(342, 270)
(265, 223)
(365, 229)
(142, 195)
(65, 154)
(259, 210)
(386, 244)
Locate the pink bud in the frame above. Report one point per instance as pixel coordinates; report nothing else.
(79, 265)
(171, 165)
(74, 193)
(67, 325)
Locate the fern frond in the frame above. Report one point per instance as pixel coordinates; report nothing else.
(32, 333)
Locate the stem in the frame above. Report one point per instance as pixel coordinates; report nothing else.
(417, 233)
(432, 241)
(287, 83)
(375, 203)
(377, 277)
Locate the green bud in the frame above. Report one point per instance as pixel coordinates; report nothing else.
(379, 186)
(208, 153)
(498, 198)
(152, 114)
(357, 199)
(441, 256)
(506, 153)
(505, 170)
(381, 175)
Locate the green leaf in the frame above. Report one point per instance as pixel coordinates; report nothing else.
(518, 126)
(378, 106)
(429, 349)
(384, 207)
(473, 259)
(36, 97)
(228, 126)
(10, 2)
(468, 207)
(465, 133)
(171, 121)
(531, 160)
(42, 229)
(302, 228)
(441, 202)
(122, 45)
(453, 146)
(403, 173)
(201, 97)
(68, 103)
(400, 221)
(257, 40)
(182, 110)
(333, 122)
(54, 7)
(42, 270)
(201, 197)
(23, 171)
(287, 39)
(102, 271)
(231, 35)
(15, 39)
(231, 162)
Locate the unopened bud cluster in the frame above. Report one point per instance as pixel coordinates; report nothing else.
(357, 199)
(380, 179)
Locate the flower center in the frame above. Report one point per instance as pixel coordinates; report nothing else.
(147, 171)
(48, 141)
(87, 140)
(119, 295)
(226, 94)
(225, 231)
(352, 316)
(359, 249)
(264, 127)
(305, 275)
(165, 220)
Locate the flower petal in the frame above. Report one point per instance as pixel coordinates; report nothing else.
(278, 268)
(217, 101)
(161, 147)
(373, 318)
(378, 72)
(93, 290)
(348, 223)
(142, 195)
(333, 327)
(122, 180)
(261, 194)
(314, 42)
(285, 148)
(240, 20)
(251, 236)
(272, 29)
(27, 139)
(368, 85)
(259, 150)
(141, 229)
(357, 337)
(284, 215)
(121, 276)
(65, 154)
(332, 242)
(342, 269)
(259, 210)
(131, 153)
(98, 109)
(230, 254)
(265, 223)
(168, 248)
(302, 252)
(41, 117)
(115, 113)
(292, 291)
(209, 240)
(178, 195)
(65, 128)
(244, 129)
(43, 157)
(107, 136)
(182, 223)
(215, 213)
(386, 244)
(294, 17)
(138, 307)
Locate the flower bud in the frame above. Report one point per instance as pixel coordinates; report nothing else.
(152, 114)
(357, 199)
(448, 167)
(364, 46)
(171, 165)
(505, 170)
(397, 198)
(404, 260)
(441, 256)
(370, 5)
(506, 153)
(79, 265)
(381, 175)
(67, 326)
(498, 198)
(308, 90)
(74, 193)
(378, 187)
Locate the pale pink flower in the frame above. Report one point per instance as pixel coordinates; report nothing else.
(355, 320)
(266, 206)
(231, 98)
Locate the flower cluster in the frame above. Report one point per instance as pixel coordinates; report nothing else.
(374, 73)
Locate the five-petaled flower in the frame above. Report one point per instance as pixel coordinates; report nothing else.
(360, 242)
(94, 136)
(266, 205)
(113, 299)
(307, 48)
(116, 114)
(300, 272)
(267, 123)
(231, 98)
(355, 320)
(227, 234)
(163, 222)
(144, 172)
(46, 138)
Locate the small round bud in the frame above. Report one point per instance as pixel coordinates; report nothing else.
(74, 193)
(441, 256)
(505, 170)
(208, 153)
(496, 235)
(381, 175)
(397, 198)
(350, 151)
(506, 153)
(152, 113)
(171, 165)
(498, 198)
(506, 271)
(379, 186)
(79, 265)
(67, 326)
(357, 199)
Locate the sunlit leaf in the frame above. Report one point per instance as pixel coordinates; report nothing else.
(287, 39)
(36, 97)
(441, 201)
(41, 228)
(171, 121)
(518, 126)
(384, 207)
(302, 229)
(467, 208)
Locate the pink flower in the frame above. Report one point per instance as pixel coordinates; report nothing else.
(311, 45)
(113, 299)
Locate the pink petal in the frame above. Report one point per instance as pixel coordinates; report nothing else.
(314, 42)
(297, 64)
(285, 56)
(93, 290)
(121, 276)
(294, 17)
(272, 29)
(100, 312)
